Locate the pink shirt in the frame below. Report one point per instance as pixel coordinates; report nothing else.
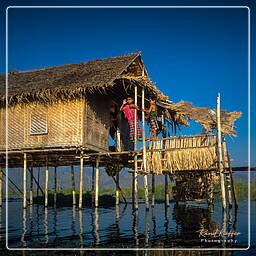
(129, 112)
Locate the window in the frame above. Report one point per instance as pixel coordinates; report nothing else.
(38, 121)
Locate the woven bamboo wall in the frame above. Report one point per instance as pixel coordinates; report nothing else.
(64, 125)
(97, 123)
(183, 153)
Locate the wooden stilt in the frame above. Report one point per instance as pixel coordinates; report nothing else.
(1, 186)
(25, 181)
(167, 200)
(232, 182)
(73, 185)
(38, 179)
(93, 185)
(135, 149)
(228, 178)
(31, 187)
(145, 177)
(133, 195)
(220, 157)
(97, 184)
(55, 186)
(153, 190)
(117, 188)
(46, 186)
(81, 181)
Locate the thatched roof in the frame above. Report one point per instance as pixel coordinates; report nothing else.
(65, 81)
(70, 81)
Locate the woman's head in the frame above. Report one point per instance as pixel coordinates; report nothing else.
(129, 100)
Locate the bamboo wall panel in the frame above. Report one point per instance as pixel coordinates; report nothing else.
(2, 127)
(97, 123)
(64, 125)
(181, 153)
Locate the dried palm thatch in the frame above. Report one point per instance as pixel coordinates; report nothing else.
(182, 153)
(64, 82)
(193, 185)
(182, 111)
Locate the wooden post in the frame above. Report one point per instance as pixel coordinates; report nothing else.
(97, 184)
(145, 177)
(232, 182)
(93, 184)
(31, 187)
(73, 185)
(220, 158)
(135, 149)
(46, 186)
(1, 186)
(55, 186)
(25, 181)
(38, 179)
(81, 181)
(153, 190)
(228, 176)
(167, 201)
(117, 188)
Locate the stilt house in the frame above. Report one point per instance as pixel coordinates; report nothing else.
(62, 114)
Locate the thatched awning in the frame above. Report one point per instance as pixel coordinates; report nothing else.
(182, 111)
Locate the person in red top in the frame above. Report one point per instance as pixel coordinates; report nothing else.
(128, 107)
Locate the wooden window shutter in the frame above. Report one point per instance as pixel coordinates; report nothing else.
(38, 121)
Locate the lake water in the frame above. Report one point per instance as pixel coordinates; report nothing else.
(118, 227)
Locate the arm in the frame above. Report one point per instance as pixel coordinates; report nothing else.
(134, 106)
(124, 102)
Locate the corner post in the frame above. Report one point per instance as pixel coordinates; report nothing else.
(46, 186)
(220, 157)
(25, 181)
(97, 184)
(81, 181)
(55, 186)
(31, 187)
(73, 185)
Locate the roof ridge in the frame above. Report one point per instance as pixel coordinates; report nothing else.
(46, 68)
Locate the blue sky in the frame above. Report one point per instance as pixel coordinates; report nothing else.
(191, 54)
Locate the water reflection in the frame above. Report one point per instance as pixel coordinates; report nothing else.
(175, 226)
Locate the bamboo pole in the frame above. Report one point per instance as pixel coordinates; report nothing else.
(93, 184)
(220, 157)
(117, 188)
(232, 182)
(38, 179)
(1, 186)
(46, 186)
(55, 186)
(135, 148)
(81, 181)
(167, 200)
(73, 185)
(31, 187)
(145, 177)
(97, 184)
(228, 178)
(25, 181)
(153, 190)
(120, 190)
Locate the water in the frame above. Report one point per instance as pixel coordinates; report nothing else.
(117, 227)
